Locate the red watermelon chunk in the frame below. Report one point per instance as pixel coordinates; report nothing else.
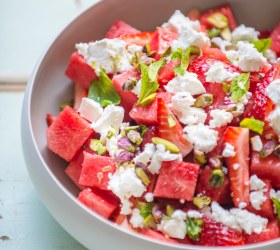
(219, 194)
(151, 132)
(79, 71)
(139, 39)
(266, 168)
(156, 235)
(120, 28)
(102, 202)
(166, 73)
(215, 53)
(95, 170)
(68, 133)
(177, 180)
(275, 36)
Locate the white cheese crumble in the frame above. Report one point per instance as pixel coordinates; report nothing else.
(250, 60)
(271, 56)
(202, 137)
(218, 73)
(275, 194)
(125, 184)
(186, 83)
(236, 166)
(194, 214)
(256, 143)
(136, 219)
(228, 150)
(149, 197)
(221, 43)
(220, 118)
(109, 55)
(257, 198)
(239, 219)
(273, 91)
(145, 156)
(242, 205)
(137, 89)
(112, 145)
(256, 183)
(243, 33)
(90, 109)
(274, 119)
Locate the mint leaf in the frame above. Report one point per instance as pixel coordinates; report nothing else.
(252, 124)
(184, 57)
(146, 210)
(154, 68)
(239, 86)
(194, 228)
(277, 206)
(103, 91)
(262, 44)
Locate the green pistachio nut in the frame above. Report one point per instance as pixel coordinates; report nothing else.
(167, 144)
(203, 101)
(218, 20)
(217, 178)
(143, 176)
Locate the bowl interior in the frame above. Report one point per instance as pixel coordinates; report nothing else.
(51, 87)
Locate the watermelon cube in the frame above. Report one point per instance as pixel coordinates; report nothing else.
(68, 133)
(150, 133)
(275, 36)
(120, 28)
(95, 170)
(166, 73)
(156, 235)
(79, 71)
(177, 180)
(102, 202)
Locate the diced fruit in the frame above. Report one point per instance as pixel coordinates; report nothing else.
(79, 93)
(275, 36)
(151, 132)
(266, 168)
(215, 53)
(271, 232)
(68, 133)
(224, 10)
(95, 171)
(166, 73)
(161, 40)
(50, 119)
(264, 34)
(173, 134)
(177, 180)
(149, 115)
(239, 178)
(120, 28)
(139, 39)
(102, 202)
(156, 235)
(79, 71)
(219, 194)
(266, 206)
(216, 234)
(128, 98)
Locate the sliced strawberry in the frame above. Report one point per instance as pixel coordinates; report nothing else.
(166, 73)
(161, 40)
(79, 93)
(266, 168)
(120, 28)
(139, 39)
(216, 234)
(215, 53)
(271, 232)
(50, 119)
(224, 10)
(173, 134)
(239, 178)
(219, 194)
(275, 36)
(177, 180)
(150, 133)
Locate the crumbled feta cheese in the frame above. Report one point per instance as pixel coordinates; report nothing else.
(257, 198)
(90, 110)
(228, 150)
(194, 214)
(145, 156)
(186, 83)
(220, 118)
(274, 194)
(271, 56)
(181, 101)
(203, 138)
(239, 219)
(236, 166)
(112, 145)
(256, 143)
(242, 205)
(109, 55)
(243, 33)
(218, 73)
(182, 201)
(274, 119)
(221, 43)
(232, 56)
(124, 183)
(149, 197)
(273, 91)
(137, 88)
(225, 170)
(245, 99)
(193, 116)
(250, 60)
(256, 183)
(136, 219)
(133, 48)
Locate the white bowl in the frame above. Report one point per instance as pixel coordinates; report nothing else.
(48, 87)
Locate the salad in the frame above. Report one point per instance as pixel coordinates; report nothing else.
(174, 133)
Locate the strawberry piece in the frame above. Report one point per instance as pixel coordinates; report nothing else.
(239, 138)
(150, 133)
(264, 34)
(177, 180)
(214, 53)
(79, 93)
(120, 28)
(173, 134)
(266, 168)
(216, 234)
(139, 39)
(161, 40)
(50, 119)
(79, 71)
(267, 209)
(271, 232)
(275, 36)
(219, 194)
(166, 73)
(224, 10)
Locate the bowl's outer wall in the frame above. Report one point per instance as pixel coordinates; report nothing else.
(48, 87)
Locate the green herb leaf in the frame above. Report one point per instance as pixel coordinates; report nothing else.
(194, 228)
(262, 44)
(252, 124)
(103, 91)
(184, 57)
(154, 68)
(239, 86)
(146, 210)
(277, 205)
(64, 104)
